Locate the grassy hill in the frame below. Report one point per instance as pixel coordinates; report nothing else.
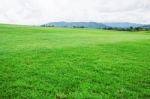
(67, 63)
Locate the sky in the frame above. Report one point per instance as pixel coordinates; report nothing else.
(35, 12)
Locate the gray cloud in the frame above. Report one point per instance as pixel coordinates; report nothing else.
(41, 11)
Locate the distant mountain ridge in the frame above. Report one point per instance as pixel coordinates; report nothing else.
(123, 24)
(77, 24)
(97, 25)
(146, 26)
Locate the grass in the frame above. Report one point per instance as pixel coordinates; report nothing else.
(67, 63)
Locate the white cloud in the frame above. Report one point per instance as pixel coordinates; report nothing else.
(42, 11)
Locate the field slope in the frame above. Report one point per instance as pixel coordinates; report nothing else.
(67, 63)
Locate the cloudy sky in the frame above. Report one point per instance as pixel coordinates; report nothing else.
(43, 11)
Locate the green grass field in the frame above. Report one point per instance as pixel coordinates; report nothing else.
(67, 63)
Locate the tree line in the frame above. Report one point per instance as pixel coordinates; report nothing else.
(128, 29)
(109, 28)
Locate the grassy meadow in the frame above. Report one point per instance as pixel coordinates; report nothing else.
(71, 63)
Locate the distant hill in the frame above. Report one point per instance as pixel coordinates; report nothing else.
(97, 25)
(77, 24)
(123, 24)
(146, 26)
